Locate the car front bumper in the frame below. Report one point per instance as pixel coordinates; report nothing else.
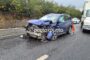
(86, 27)
(34, 34)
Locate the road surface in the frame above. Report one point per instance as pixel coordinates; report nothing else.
(66, 47)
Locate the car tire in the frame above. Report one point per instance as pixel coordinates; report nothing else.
(54, 38)
(70, 31)
(83, 30)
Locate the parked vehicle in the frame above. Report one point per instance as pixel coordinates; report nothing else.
(85, 21)
(50, 21)
(76, 20)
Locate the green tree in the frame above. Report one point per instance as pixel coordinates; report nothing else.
(36, 8)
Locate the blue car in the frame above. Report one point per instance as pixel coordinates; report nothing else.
(49, 27)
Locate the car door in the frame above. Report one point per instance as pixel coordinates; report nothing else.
(60, 25)
(63, 23)
(68, 22)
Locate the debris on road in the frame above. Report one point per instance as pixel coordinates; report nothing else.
(4, 33)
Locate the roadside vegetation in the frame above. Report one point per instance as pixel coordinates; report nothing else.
(22, 9)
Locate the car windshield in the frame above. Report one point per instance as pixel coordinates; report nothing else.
(88, 13)
(51, 17)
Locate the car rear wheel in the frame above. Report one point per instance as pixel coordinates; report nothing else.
(70, 31)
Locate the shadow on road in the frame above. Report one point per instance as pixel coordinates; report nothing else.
(33, 42)
(39, 41)
(87, 32)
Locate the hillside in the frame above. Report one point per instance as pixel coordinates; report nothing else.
(9, 21)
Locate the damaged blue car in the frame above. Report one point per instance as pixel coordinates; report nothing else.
(49, 27)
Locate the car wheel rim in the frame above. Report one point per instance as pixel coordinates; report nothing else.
(54, 38)
(70, 31)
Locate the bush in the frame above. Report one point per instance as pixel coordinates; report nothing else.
(36, 8)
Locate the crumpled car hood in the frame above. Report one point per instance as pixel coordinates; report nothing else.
(39, 22)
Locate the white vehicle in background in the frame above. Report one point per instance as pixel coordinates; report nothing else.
(85, 21)
(76, 20)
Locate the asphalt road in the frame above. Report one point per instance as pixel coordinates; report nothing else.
(66, 47)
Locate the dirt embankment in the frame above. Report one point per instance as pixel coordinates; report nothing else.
(9, 21)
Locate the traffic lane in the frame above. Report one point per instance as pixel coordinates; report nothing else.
(10, 48)
(78, 50)
(11, 42)
(17, 48)
(33, 49)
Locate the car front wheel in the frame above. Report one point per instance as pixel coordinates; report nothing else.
(54, 38)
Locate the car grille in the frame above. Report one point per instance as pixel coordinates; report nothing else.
(32, 28)
(87, 26)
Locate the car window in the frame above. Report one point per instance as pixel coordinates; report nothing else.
(66, 17)
(88, 13)
(61, 19)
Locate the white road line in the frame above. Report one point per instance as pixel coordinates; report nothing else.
(44, 57)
